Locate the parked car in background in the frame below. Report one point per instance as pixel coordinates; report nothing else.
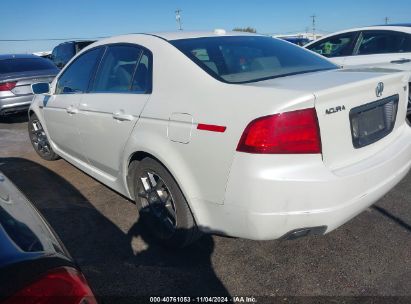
(43, 54)
(399, 66)
(17, 73)
(34, 265)
(301, 41)
(63, 52)
(368, 45)
(230, 133)
(387, 46)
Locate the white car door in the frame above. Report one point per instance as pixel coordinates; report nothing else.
(380, 47)
(108, 113)
(61, 109)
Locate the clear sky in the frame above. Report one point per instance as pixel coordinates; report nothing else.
(38, 19)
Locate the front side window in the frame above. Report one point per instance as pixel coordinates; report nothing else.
(117, 69)
(124, 68)
(242, 59)
(76, 77)
(336, 46)
(384, 42)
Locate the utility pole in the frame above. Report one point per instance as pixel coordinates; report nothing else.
(386, 20)
(313, 24)
(178, 19)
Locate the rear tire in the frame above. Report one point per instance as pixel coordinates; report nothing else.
(39, 140)
(162, 206)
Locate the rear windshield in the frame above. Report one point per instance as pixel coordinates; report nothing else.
(25, 65)
(242, 59)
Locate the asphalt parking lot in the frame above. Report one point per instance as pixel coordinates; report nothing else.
(368, 256)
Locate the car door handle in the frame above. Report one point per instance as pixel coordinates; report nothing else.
(122, 117)
(72, 110)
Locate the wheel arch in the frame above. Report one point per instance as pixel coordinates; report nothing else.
(137, 156)
(140, 155)
(36, 109)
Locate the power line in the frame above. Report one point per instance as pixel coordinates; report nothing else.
(313, 24)
(386, 20)
(51, 39)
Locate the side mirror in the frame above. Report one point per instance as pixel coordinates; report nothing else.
(40, 88)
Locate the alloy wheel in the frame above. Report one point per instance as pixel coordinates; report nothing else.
(39, 137)
(156, 199)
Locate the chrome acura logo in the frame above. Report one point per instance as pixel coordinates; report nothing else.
(379, 89)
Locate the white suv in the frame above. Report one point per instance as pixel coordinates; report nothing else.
(228, 133)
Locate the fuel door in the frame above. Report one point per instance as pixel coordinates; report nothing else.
(180, 127)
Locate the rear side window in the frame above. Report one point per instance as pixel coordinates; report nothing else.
(25, 65)
(142, 76)
(242, 59)
(335, 46)
(76, 77)
(117, 69)
(384, 42)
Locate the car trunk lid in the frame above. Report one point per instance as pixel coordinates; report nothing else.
(26, 79)
(346, 96)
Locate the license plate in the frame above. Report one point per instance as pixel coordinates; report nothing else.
(373, 121)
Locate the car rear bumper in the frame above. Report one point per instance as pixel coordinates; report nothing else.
(269, 196)
(16, 104)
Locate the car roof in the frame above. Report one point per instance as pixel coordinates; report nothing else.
(397, 24)
(76, 41)
(17, 56)
(392, 27)
(169, 36)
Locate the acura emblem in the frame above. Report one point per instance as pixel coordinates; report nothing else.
(379, 89)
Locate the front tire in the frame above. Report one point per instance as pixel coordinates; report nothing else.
(39, 140)
(162, 206)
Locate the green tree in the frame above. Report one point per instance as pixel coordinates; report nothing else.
(247, 29)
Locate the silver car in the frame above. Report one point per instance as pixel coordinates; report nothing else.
(17, 73)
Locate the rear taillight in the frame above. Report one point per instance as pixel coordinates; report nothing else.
(294, 132)
(63, 285)
(7, 86)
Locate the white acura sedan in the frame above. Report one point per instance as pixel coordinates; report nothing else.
(229, 133)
